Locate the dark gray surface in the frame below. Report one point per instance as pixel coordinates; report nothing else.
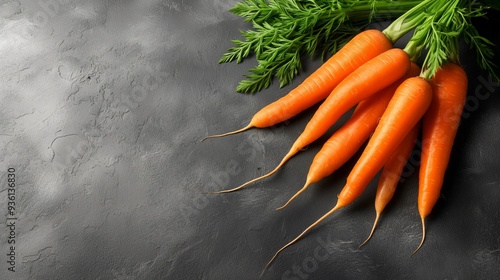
(103, 107)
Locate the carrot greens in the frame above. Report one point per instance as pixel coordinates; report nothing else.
(393, 89)
(285, 30)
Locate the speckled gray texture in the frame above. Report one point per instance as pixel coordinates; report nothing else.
(103, 106)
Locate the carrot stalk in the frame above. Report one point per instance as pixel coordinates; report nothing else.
(439, 128)
(359, 50)
(347, 140)
(228, 133)
(407, 106)
(391, 175)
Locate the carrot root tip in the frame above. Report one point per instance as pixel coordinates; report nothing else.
(227, 133)
(294, 196)
(423, 236)
(281, 207)
(270, 173)
(334, 209)
(218, 192)
(372, 231)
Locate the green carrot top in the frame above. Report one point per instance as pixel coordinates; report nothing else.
(438, 27)
(283, 31)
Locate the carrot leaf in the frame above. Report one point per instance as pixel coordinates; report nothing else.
(284, 31)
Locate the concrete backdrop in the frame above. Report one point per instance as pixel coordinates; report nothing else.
(103, 106)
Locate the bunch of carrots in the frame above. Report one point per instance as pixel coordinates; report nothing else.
(395, 103)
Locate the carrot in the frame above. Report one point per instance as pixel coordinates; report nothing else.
(368, 79)
(360, 49)
(439, 128)
(391, 174)
(346, 141)
(407, 106)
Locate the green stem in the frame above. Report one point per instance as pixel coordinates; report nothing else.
(383, 9)
(413, 18)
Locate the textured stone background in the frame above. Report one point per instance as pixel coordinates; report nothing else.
(103, 104)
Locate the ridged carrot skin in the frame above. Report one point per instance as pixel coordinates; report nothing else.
(344, 143)
(439, 128)
(315, 88)
(347, 140)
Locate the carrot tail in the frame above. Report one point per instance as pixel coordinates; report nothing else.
(423, 236)
(283, 161)
(372, 231)
(228, 133)
(334, 209)
(306, 185)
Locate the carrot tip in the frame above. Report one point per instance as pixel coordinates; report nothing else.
(423, 236)
(372, 231)
(227, 133)
(219, 192)
(262, 273)
(334, 209)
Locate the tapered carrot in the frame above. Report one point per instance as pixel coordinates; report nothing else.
(407, 106)
(391, 175)
(439, 128)
(360, 49)
(346, 141)
(368, 79)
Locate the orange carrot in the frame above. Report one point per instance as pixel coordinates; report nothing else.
(368, 79)
(407, 106)
(360, 49)
(391, 174)
(439, 127)
(346, 141)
